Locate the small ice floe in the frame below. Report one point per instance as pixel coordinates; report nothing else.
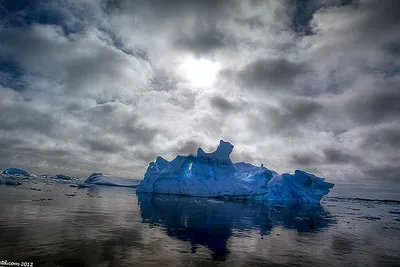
(35, 189)
(84, 185)
(370, 218)
(62, 177)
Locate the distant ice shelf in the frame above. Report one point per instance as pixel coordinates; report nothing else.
(101, 179)
(15, 176)
(215, 175)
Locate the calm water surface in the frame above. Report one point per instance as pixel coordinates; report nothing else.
(55, 225)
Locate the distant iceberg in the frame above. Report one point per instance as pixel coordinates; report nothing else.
(15, 171)
(14, 176)
(101, 179)
(215, 175)
(62, 177)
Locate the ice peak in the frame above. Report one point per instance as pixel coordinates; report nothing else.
(223, 151)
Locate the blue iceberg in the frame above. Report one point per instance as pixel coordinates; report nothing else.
(15, 176)
(15, 171)
(215, 175)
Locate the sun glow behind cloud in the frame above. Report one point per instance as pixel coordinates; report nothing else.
(200, 72)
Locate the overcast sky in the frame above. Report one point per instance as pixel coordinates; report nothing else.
(106, 86)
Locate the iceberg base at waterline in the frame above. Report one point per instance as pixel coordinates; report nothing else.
(215, 175)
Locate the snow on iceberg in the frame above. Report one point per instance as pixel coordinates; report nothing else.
(215, 175)
(101, 179)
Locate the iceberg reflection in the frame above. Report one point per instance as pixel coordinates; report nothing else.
(211, 222)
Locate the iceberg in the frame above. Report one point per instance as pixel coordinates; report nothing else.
(101, 179)
(15, 171)
(62, 177)
(15, 176)
(215, 175)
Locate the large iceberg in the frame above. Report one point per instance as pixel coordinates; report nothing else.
(215, 175)
(101, 179)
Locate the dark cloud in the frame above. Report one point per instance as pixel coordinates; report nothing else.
(188, 147)
(379, 18)
(386, 172)
(251, 22)
(272, 74)
(222, 104)
(11, 74)
(97, 67)
(22, 117)
(26, 12)
(384, 138)
(146, 156)
(105, 145)
(195, 25)
(286, 118)
(28, 44)
(8, 144)
(203, 40)
(302, 109)
(301, 159)
(120, 120)
(330, 156)
(337, 156)
(380, 104)
(168, 9)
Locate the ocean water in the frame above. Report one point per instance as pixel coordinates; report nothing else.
(52, 224)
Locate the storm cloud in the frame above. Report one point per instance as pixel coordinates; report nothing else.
(109, 85)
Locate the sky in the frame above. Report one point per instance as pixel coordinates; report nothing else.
(106, 86)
